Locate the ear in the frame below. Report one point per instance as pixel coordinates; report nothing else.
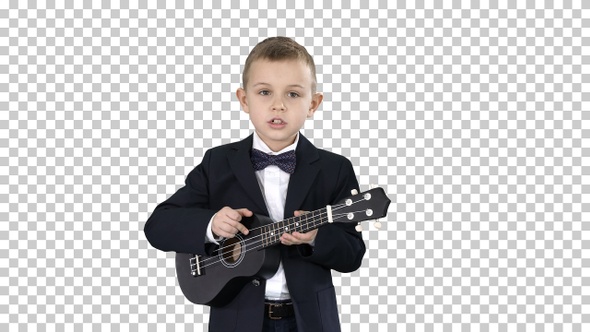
(316, 100)
(241, 94)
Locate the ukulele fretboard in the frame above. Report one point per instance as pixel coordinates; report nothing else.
(271, 234)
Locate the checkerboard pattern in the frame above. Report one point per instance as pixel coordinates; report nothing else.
(473, 116)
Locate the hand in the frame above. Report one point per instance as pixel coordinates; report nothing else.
(299, 238)
(226, 222)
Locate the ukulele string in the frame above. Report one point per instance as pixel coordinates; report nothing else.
(254, 241)
(252, 244)
(216, 259)
(288, 220)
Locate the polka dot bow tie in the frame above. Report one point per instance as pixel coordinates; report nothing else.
(285, 161)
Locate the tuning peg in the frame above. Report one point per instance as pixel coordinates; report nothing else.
(377, 224)
(359, 228)
(354, 192)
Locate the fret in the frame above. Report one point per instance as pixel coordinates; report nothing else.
(271, 233)
(284, 226)
(276, 232)
(298, 221)
(298, 224)
(279, 230)
(314, 216)
(307, 215)
(265, 236)
(305, 224)
(275, 229)
(292, 222)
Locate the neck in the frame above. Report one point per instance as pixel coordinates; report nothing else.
(276, 146)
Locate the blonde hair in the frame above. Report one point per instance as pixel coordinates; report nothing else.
(276, 49)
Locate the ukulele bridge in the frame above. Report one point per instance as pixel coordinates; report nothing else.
(195, 263)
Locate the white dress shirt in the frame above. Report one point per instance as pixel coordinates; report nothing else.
(273, 185)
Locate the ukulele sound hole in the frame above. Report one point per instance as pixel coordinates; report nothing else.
(231, 251)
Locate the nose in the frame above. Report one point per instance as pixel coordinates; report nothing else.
(278, 105)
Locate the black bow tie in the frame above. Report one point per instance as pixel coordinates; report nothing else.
(285, 161)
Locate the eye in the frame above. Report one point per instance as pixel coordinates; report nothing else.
(293, 94)
(264, 93)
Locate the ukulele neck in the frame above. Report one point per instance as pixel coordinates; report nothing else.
(271, 233)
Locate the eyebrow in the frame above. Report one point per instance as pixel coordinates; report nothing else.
(289, 86)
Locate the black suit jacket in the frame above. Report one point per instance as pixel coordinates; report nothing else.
(225, 177)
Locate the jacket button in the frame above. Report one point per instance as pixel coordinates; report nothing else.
(256, 282)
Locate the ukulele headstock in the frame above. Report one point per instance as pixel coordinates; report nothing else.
(370, 204)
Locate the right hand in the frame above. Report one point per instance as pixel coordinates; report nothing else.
(227, 222)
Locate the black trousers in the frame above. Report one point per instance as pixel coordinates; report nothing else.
(286, 324)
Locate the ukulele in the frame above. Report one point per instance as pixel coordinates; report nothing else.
(215, 280)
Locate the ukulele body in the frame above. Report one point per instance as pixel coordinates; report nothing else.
(215, 280)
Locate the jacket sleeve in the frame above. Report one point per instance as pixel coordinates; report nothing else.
(338, 246)
(179, 224)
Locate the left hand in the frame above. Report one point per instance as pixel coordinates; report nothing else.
(299, 238)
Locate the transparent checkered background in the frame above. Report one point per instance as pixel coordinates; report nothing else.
(473, 116)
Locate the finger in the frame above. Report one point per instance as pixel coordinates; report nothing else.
(301, 237)
(238, 214)
(305, 237)
(298, 213)
(294, 239)
(245, 212)
(220, 231)
(233, 215)
(238, 217)
(225, 226)
(241, 228)
(233, 227)
(287, 239)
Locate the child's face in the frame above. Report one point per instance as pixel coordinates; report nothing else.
(279, 99)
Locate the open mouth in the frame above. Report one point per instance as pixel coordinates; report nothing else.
(277, 121)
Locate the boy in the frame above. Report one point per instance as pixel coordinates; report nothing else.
(232, 182)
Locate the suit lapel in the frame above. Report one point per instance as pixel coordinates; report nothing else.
(305, 173)
(242, 168)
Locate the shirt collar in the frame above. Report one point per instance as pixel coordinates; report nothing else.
(260, 145)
